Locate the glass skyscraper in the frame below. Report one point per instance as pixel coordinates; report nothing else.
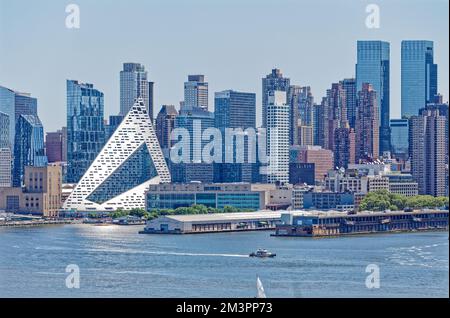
(400, 138)
(113, 124)
(28, 147)
(25, 104)
(7, 106)
(373, 67)
(134, 84)
(15, 104)
(85, 127)
(234, 109)
(419, 76)
(195, 121)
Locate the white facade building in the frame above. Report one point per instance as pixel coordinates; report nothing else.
(277, 137)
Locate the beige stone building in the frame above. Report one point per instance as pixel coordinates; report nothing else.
(41, 194)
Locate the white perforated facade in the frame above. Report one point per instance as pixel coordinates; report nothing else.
(130, 161)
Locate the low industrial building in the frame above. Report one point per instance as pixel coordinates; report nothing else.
(279, 198)
(208, 223)
(328, 200)
(341, 223)
(217, 195)
(403, 184)
(40, 195)
(353, 180)
(297, 196)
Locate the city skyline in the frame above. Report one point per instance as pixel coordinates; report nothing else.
(181, 149)
(222, 70)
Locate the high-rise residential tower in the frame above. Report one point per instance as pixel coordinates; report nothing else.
(301, 103)
(272, 82)
(85, 127)
(5, 151)
(344, 147)
(335, 114)
(349, 85)
(277, 137)
(373, 67)
(196, 92)
(319, 121)
(443, 111)
(165, 123)
(418, 76)
(134, 84)
(54, 146)
(367, 124)
(427, 146)
(4, 130)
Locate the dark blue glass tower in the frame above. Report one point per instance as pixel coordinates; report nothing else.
(28, 146)
(235, 110)
(195, 120)
(85, 127)
(419, 76)
(15, 104)
(400, 138)
(373, 65)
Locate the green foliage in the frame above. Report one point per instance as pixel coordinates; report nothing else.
(383, 200)
(138, 212)
(194, 209)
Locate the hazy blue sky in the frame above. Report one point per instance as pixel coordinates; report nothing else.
(233, 42)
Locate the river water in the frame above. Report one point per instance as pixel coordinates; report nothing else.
(116, 261)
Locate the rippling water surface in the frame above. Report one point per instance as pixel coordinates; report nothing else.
(115, 261)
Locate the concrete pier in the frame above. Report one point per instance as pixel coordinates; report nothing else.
(322, 224)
